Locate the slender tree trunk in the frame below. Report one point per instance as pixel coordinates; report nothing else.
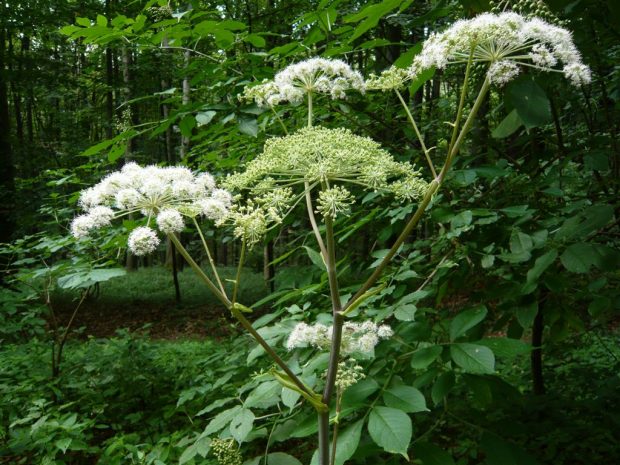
(131, 262)
(538, 383)
(7, 173)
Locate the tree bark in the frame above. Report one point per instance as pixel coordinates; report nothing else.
(7, 173)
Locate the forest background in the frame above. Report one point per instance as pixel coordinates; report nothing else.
(109, 359)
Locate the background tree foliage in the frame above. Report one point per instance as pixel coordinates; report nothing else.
(518, 258)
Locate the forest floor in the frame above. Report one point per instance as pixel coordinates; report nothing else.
(144, 302)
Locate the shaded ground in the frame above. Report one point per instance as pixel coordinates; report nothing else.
(144, 301)
(102, 319)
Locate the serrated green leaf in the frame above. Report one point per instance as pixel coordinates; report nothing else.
(520, 242)
(390, 429)
(405, 398)
(508, 126)
(466, 320)
(422, 358)
(530, 102)
(241, 425)
(248, 126)
(473, 358)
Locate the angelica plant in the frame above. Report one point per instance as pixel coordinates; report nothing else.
(330, 161)
(326, 171)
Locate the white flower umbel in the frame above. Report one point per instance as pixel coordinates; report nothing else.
(143, 241)
(165, 195)
(356, 337)
(316, 75)
(505, 42)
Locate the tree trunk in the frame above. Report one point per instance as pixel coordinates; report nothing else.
(131, 262)
(7, 173)
(538, 383)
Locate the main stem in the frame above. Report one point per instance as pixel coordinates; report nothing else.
(334, 354)
(239, 316)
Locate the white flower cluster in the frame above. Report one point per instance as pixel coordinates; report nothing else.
(356, 337)
(316, 75)
(505, 41)
(165, 195)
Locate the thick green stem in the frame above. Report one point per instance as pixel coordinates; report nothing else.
(418, 134)
(459, 111)
(413, 221)
(238, 275)
(313, 223)
(201, 274)
(276, 358)
(309, 109)
(466, 127)
(334, 354)
(210, 257)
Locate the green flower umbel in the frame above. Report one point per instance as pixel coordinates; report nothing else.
(327, 157)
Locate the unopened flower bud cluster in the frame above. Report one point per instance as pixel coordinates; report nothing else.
(226, 451)
(316, 75)
(329, 157)
(162, 195)
(348, 375)
(356, 337)
(507, 42)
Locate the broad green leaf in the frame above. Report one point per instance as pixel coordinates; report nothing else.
(348, 440)
(405, 312)
(530, 102)
(390, 429)
(405, 398)
(508, 126)
(442, 387)
(102, 21)
(421, 79)
(187, 124)
(281, 458)
(466, 320)
(63, 444)
(540, 265)
(462, 219)
(526, 315)
(506, 347)
(221, 420)
(256, 40)
(84, 279)
(241, 424)
(590, 220)
(248, 126)
(370, 16)
(422, 358)
(188, 454)
(265, 395)
(473, 358)
(520, 242)
(579, 258)
(315, 257)
(430, 454)
(290, 397)
(359, 392)
(204, 117)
